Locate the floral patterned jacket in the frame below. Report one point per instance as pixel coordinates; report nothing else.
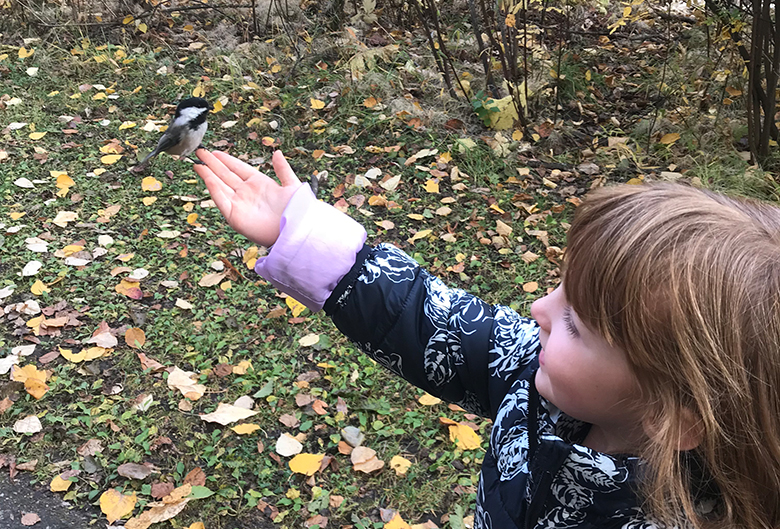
(463, 350)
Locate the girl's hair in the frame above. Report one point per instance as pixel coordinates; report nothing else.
(687, 283)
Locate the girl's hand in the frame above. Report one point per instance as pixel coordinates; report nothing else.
(250, 201)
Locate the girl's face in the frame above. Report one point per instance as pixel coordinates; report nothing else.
(582, 374)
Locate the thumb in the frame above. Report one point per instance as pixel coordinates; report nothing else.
(283, 171)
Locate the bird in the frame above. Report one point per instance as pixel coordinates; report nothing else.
(185, 132)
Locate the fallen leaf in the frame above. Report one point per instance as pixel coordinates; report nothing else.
(116, 505)
(365, 460)
(400, 465)
(59, 485)
(307, 464)
(670, 138)
(462, 434)
(110, 159)
(133, 471)
(245, 429)
(30, 424)
(227, 413)
(287, 445)
(186, 383)
(428, 400)
(29, 518)
(397, 523)
(295, 306)
(150, 183)
(135, 338)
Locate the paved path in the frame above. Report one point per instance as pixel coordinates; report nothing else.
(18, 497)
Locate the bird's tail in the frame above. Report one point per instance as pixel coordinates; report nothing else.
(149, 156)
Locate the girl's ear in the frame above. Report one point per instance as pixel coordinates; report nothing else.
(690, 429)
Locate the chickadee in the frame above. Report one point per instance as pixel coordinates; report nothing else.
(185, 132)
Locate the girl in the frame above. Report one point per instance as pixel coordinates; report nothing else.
(643, 395)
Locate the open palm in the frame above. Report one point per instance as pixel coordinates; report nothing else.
(250, 201)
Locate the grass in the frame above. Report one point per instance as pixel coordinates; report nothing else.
(246, 320)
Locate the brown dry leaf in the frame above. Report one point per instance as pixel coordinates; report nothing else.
(29, 466)
(160, 490)
(116, 505)
(129, 289)
(134, 471)
(5, 405)
(135, 337)
(428, 400)
(102, 337)
(289, 420)
(365, 460)
(531, 286)
(344, 448)
(195, 477)
(30, 518)
(149, 363)
(157, 513)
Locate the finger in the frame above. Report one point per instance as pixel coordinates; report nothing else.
(241, 169)
(218, 168)
(219, 190)
(283, 171)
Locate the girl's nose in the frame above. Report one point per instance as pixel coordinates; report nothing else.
(540, 312)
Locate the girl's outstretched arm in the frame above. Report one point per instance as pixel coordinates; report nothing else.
(250, 201)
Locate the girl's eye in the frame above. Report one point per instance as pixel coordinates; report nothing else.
(569, 322)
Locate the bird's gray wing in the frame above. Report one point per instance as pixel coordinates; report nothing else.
(169, 140)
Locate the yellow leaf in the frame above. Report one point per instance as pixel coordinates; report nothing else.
(39, 288)
(59, 485)
(250, 257)
(127, 125)
(419, 235)
(99, 96)
(35, 324)
(626, 11)
(148, 201)
(198, 91)
(397, 523)
(462, 434)
(415, 216)
(432, 186)
(16, 215)
(295, 306)
(226, 285)
(192, 218)
(635, 182)
(110, 159)
(428, 400)
(245, 429)
(370, 102)
(400, 465)
(71, 249)
(150, 183)
(503, 114)
(197, 525)
(517, 135)
(116, 505)
(67, 354)
(64, 181)
(128, 19)
(24, 52)
(129, 289)
(670, 138)
(218, 106)
(316, 104)
(276, 68)
(268, 141)
(37, 135)
(96, 352)
(143, 28)
(242, 367)
(307, 464)
(34, 380)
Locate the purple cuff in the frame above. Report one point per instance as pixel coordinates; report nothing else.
(317, 246)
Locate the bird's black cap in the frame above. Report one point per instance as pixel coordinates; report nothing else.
(197, 102)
